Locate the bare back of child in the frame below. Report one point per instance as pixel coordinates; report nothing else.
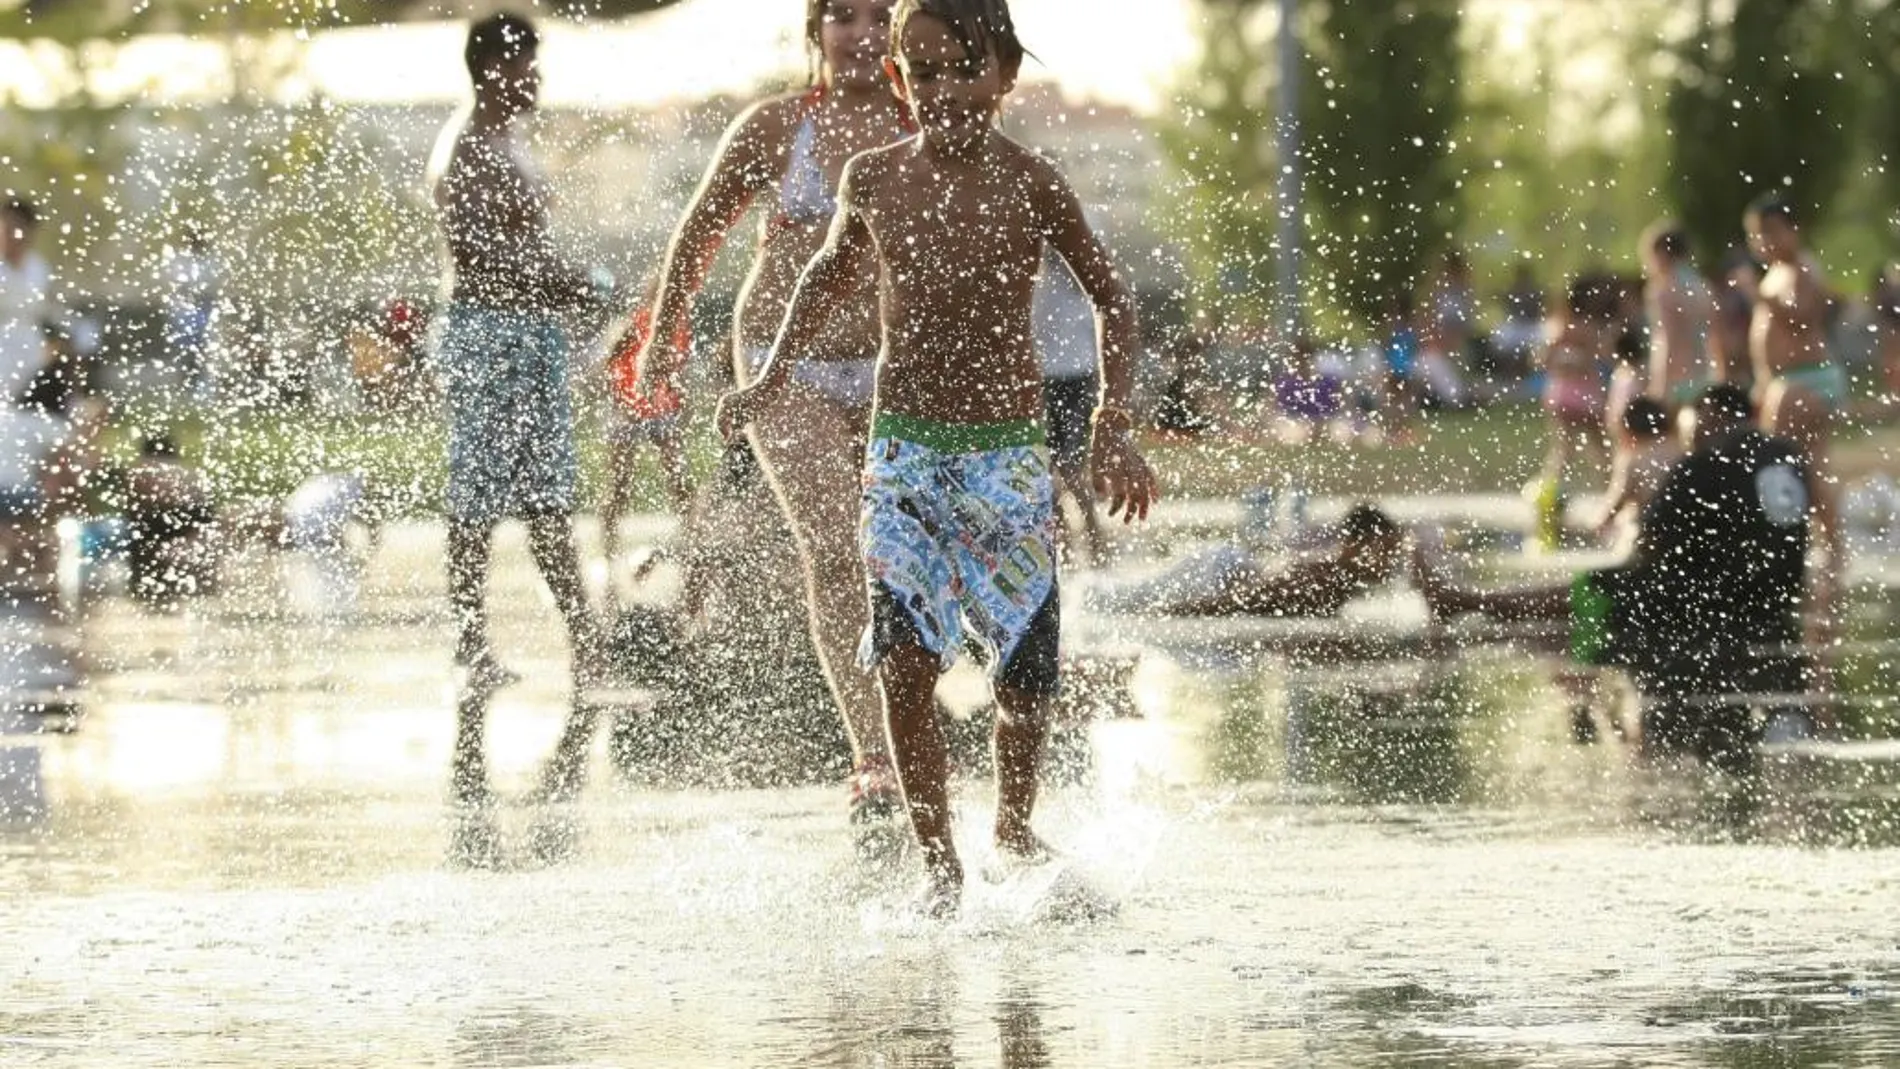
(959, 527)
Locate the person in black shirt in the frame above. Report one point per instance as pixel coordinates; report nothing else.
(1718, 569)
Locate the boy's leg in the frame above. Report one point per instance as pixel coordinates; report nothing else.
(1022, 729)
(551, 542)
(908, 677)
(468, 554)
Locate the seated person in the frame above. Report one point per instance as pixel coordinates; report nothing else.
(1307, 399)
(1370, 552)
(172, 520)
(1645, 454)
(1718, 565)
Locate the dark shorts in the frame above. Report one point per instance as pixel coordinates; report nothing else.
(511, 419)
(1069, 404)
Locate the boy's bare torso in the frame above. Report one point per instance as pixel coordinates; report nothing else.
(960, 243)
(493, 205)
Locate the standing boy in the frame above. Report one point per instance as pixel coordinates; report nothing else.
(958, 512)
(503, 352)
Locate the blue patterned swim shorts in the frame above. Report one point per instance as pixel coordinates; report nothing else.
(959, 539)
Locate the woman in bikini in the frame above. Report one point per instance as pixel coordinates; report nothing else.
(788, 152)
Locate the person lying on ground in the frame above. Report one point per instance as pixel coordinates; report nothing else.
(1370, 553)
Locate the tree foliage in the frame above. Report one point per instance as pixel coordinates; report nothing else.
(1382, 186)
(1380, 96)
(1760, 102)
(1222, 149)
(82, 20)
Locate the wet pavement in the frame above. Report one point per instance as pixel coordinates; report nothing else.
(245, 853)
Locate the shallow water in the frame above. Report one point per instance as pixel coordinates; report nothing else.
(244, 856)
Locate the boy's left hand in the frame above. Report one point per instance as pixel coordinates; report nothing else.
(1122, 477)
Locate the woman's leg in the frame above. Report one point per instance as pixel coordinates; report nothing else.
(813, 454)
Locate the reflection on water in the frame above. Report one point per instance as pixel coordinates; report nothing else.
(300, 845)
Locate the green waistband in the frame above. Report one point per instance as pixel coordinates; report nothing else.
(957, 437)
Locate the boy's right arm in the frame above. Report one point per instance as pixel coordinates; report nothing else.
(740, 169)
(830, 279)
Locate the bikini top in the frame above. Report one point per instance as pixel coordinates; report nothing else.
(805, 196)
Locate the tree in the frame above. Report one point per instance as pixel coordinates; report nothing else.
(1563, 172)
(1222, 149)
(1381, 93)
(1382, 186)
(1759, 103)
(86, 20)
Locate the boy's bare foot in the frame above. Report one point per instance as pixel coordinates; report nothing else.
(876, 797)
(942, 895)
(1023, 847)
(876, 804)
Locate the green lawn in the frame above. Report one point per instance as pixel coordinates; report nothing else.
(1495, 450)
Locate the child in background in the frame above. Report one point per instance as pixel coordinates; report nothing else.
(1645, 452)
(1574, 398)
(958, 513)
(1308, 398)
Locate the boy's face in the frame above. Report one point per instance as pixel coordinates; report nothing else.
(953, 94)
(515, 82)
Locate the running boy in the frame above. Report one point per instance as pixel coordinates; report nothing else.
(958, 508)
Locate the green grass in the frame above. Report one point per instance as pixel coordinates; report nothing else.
(1464, 452)
(1491, 451)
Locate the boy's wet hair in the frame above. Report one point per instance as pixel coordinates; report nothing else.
(1774, 206)
(1366, 522)
(1646, 419)
(982, 27)
(497, 39)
